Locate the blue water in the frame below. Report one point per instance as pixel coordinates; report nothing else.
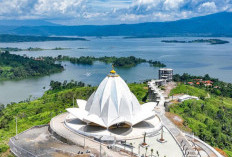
(193, 58)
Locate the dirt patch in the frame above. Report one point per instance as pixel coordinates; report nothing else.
(177, 120)
(174, 102)
(221, 152)
(67, 155)
(145, 87)
(168, 87)
(7, 154)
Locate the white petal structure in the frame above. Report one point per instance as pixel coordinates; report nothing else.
(112, 103)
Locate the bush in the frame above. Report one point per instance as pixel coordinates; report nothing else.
(3, 148)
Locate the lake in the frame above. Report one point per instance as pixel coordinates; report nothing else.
(193, 58)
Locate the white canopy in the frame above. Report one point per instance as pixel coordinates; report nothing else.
(112, 103)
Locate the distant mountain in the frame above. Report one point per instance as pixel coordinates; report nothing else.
(17, 23)
(21, 38)
(219, 24)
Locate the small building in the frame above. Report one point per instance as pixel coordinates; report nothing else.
(190, 83)
(187, 97)
(166, 73)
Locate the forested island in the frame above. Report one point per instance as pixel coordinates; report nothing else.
(19, 67)
(19, 38)
(210, 41)
(125, 62)
(29, 49)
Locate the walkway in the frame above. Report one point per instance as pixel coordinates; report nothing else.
(57, 125)
(183, 140)
(160, 110)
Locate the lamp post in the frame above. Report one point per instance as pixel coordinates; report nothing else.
(73, 101)
(100, 145)
(84, 137)
(16, 127)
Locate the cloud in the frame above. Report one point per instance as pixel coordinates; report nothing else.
(167, 10)
(40, 8)
(109, 11)
(207, 7)
(173, 4)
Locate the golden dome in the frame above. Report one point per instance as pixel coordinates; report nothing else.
(113, 71)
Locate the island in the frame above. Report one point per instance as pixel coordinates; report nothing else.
(19, 67)
(125, 62)
(5, 38)
(210, 41)
(29, 49)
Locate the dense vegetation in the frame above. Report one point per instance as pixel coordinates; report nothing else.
(209, 118)
(18, 67)
(117, 62)
(28, 49)
(52, 103)
(19, 38)
(211, 41)
(218, 87)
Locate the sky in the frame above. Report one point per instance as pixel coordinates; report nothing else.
(99, 12)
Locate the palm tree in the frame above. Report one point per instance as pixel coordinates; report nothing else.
(151, 152)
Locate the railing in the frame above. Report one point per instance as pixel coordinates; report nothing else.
(18, 151)
(207, 145)
(21, 152)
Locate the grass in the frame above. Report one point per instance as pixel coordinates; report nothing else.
(209, 118)
(186, 89)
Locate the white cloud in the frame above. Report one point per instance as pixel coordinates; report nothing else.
(55, 7)
(40, 8)
(109, 11)
(207, 7)
(173, 4)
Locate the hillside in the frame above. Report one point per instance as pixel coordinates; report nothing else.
(209, 118)
(219, 24)
(26, 23)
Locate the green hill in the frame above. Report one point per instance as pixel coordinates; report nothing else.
(209, 118)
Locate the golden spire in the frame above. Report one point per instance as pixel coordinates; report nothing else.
(113, 71)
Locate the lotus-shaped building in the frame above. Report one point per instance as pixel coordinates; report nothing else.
(112, 104)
